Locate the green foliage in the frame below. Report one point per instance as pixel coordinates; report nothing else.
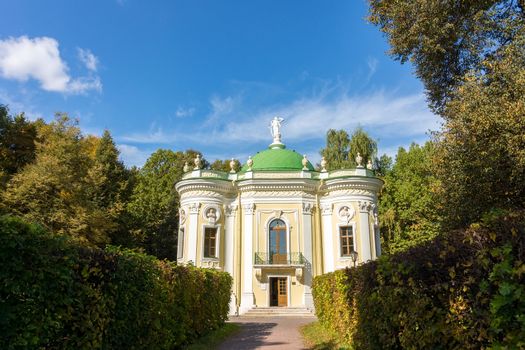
(463, 290)
(224, 165)
(57, 294)
(362, 143)
(481, 151)
(17, 144)
(341, 150)
(446, 39)
(154, 204)
(408, 204)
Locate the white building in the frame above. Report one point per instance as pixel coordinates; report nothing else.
(277, 223)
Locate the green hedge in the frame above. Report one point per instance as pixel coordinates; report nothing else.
(56, 294)
(464, 290)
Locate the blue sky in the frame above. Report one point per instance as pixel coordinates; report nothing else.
(209, 75)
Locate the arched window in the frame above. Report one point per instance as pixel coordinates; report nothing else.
(277, 249)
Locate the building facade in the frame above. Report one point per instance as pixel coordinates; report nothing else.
(277, 223)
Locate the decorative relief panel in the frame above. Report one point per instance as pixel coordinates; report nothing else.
(279, 194)
(212, 264)
(193, 194)
(182, 216)
(345, 213)
(211, 213)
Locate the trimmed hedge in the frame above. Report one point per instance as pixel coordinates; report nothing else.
(56, 294)
(464, 290)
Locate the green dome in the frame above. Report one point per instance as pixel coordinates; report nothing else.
(278, 159)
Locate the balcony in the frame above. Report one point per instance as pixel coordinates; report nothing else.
(269, 260)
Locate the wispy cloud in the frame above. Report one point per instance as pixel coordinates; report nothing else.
(184, 112)
(372, 63)
(89, 60)
(39, 58)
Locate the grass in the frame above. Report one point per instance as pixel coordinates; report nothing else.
(214, 338)
(318, 338)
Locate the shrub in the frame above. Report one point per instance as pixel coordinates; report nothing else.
(57, 294)
(463, 290)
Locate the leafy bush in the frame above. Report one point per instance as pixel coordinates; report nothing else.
(57, 294)
(463, 290)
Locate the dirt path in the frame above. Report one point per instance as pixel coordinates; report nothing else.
(267, 333)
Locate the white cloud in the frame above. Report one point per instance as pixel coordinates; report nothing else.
(89, 60)
(372, 63)
(132, 155)
(392, 118)
(184, 112)
(23, 58)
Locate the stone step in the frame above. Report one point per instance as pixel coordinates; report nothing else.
(279, 311)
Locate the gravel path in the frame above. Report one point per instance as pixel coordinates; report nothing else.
(267, 333)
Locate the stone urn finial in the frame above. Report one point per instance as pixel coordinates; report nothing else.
(197, 162)
(369, 165)
(232, 166)
(323, 165)
(249, 163)
(305, 162)
(186, 167)
(359, 160)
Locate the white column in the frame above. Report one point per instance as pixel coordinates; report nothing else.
(193, 232)
(365, 252)
(328, 240)
(247, 298)
(308, 254)
(229, 232)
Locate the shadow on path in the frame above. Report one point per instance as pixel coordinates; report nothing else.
(266, 333)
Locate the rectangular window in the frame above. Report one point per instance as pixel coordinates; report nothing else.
(347, 240)
(210, 242)
(180, 244)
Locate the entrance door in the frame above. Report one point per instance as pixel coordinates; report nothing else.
(278, 242)
(278, 291)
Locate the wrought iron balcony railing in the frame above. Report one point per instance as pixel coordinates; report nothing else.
(279, 259)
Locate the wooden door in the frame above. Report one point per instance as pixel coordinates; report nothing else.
(282, 291)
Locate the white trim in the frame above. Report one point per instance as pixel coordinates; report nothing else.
(288, 291)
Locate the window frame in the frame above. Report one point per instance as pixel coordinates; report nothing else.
(217, 229)
(180, 239)
(352, 225)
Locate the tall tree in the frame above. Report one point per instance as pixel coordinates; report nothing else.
(154, 203)
(336, 151)
(470, 56)
(17, 143)
(53, 189)
(362, 143)
(407, 205)
(446, 39)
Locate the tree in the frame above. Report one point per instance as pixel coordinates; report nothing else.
(447, 39)
(154, 203)
(470, 56)
(407, 205)
(17, 143)
(362, 143)
(224, 165)
(481, 151)
(53, 190)
(383, 165)
(336, 151)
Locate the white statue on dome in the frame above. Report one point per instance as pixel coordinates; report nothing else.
(275, 126)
